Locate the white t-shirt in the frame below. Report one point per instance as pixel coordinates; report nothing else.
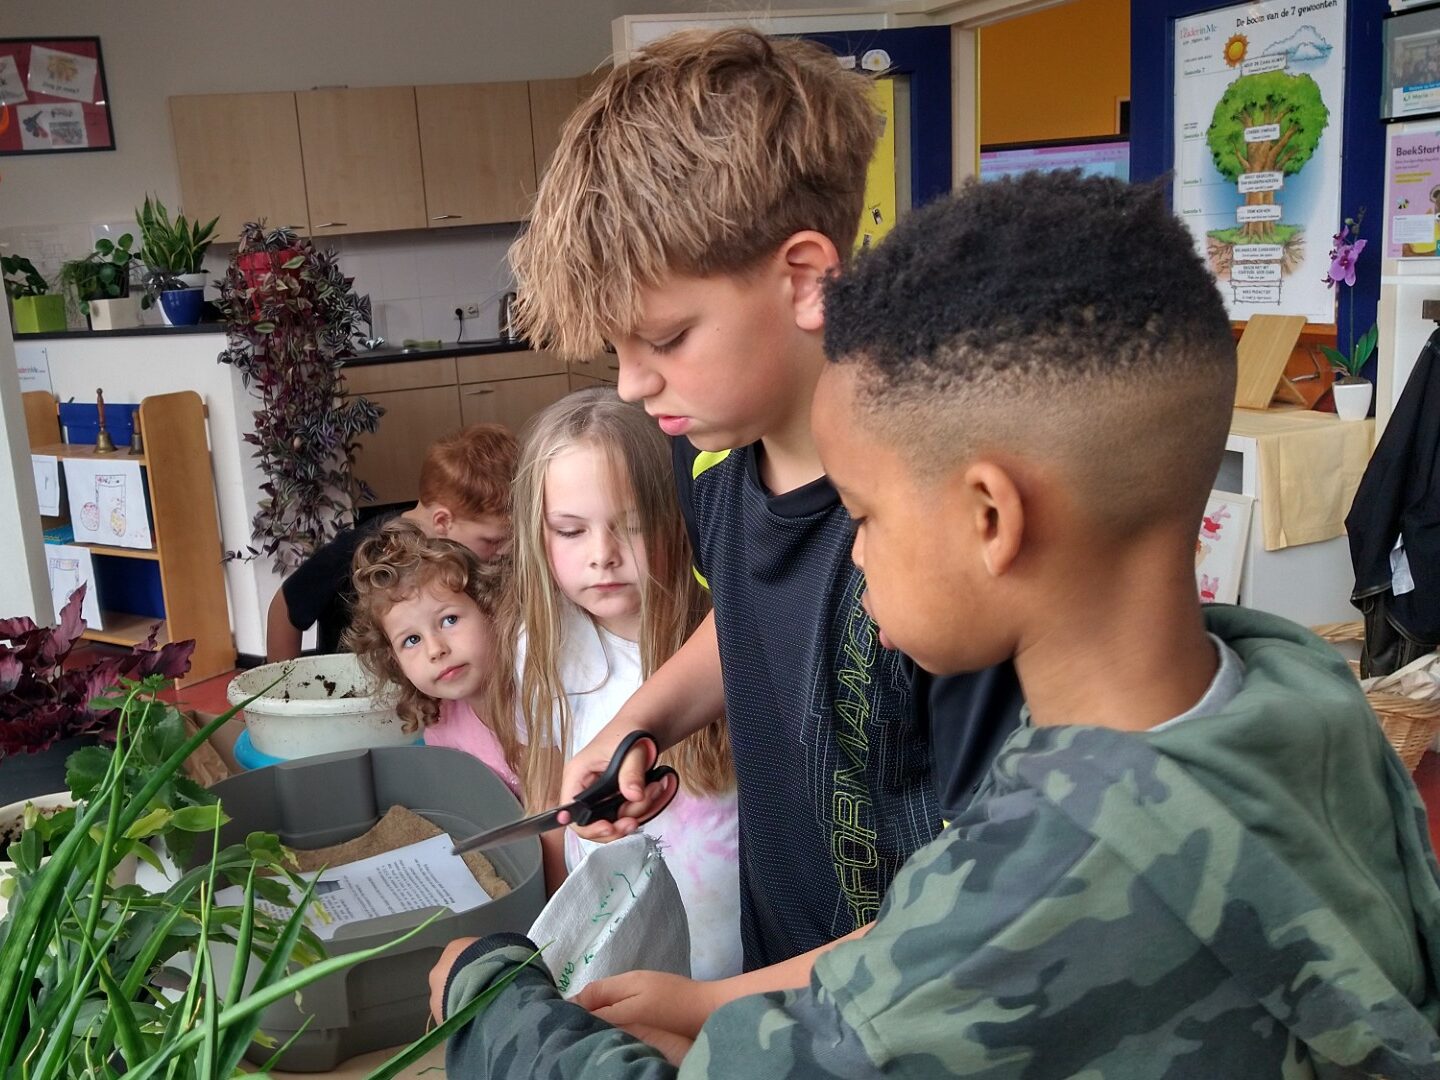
(698, 835)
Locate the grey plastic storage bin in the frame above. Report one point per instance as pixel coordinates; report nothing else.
(319, 801)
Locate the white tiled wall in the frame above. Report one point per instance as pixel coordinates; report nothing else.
(415, 280)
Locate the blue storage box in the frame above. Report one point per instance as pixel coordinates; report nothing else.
(82, 422)
(130, 585)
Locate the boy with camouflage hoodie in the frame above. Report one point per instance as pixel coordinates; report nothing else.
(1198, 858)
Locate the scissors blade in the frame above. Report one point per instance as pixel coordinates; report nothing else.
(516, 830)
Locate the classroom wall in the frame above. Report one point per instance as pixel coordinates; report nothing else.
(1055, 74)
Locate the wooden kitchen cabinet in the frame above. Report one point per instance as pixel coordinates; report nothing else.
(511, 402)
(362, 159)
(389, 460)
(602, 370)
(479, 162)
(239, 159)
(509, 388)
(420, 406)
(551, 103)
(427, 399)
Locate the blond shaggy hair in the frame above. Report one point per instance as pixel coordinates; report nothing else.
(699, 156)
(395, 564)
(672, 603)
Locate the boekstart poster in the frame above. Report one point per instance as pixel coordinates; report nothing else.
(1258, 94)
(1414, 191)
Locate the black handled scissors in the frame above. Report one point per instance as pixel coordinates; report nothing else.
(601, 801)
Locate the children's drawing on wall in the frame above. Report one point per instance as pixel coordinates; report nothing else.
(69, 568)
(107, 502)
(1257, 149)
(1220, 547)
(47, 483)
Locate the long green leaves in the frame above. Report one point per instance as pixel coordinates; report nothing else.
(85, 965)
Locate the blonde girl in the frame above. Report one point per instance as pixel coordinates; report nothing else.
(424, 622)
(603, 595)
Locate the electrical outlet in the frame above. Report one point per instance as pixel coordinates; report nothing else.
(472, 311)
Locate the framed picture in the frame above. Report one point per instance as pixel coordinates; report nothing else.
(53, 98)
(1410, 76)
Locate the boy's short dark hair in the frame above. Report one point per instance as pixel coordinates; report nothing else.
(697, 156)
(1064, 318)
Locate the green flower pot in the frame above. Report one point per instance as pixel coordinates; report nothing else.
(39, 314)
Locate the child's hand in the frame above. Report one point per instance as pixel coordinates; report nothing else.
(644, 800)
(653, 1000)
(441, 972)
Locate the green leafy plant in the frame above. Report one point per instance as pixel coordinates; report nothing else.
(93, 974)
(170, 248)
(292, 318)
(104, 274)
(21, 277)
(1345, 251)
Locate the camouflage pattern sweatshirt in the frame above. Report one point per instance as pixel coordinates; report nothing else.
(1246, 894)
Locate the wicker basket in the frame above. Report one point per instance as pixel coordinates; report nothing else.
(1409, 724)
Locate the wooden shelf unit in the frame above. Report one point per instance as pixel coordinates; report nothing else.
(184, 524)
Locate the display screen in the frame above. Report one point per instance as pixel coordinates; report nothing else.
(1093, 157)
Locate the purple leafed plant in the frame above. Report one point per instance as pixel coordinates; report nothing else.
(292, 319)
(42, 702)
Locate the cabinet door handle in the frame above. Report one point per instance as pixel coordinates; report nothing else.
(613, 367)
(444, 217)
(482, 390)
(331, 224)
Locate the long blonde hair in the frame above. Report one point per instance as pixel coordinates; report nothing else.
(672, 602)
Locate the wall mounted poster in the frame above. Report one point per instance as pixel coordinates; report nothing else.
(53, 97)
(1259, 91)
(1220, 547)
(1413, 172)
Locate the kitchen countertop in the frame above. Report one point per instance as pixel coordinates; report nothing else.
(392, 354)
(132, 331)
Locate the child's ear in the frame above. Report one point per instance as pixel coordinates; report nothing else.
(997, 514)
(806, 258)
(441, 520)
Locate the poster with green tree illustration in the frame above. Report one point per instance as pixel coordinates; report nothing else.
(1257, 150)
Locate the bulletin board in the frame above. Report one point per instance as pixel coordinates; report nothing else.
(53, 97)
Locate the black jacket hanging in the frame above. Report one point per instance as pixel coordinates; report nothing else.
(1399, 497)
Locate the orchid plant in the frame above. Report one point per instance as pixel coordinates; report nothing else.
(1345, 251)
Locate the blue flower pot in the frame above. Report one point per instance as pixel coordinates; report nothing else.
(182, 307)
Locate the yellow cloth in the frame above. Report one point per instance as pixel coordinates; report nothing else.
(1308, 467)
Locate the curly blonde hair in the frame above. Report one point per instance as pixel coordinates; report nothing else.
(392, 566)
(698, 156)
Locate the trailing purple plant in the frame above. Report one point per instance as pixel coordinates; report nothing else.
(292, 318)
(42, 701)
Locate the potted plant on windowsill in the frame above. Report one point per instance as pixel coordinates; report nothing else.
(1352, 391)
(36, 309)
(101, 282)
(173, 253)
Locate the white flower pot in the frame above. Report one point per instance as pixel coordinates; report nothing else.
(118, 314)
(1352, 400)
(123, 872)
(321, 705)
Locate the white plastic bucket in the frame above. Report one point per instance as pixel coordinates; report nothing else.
(320, 705)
